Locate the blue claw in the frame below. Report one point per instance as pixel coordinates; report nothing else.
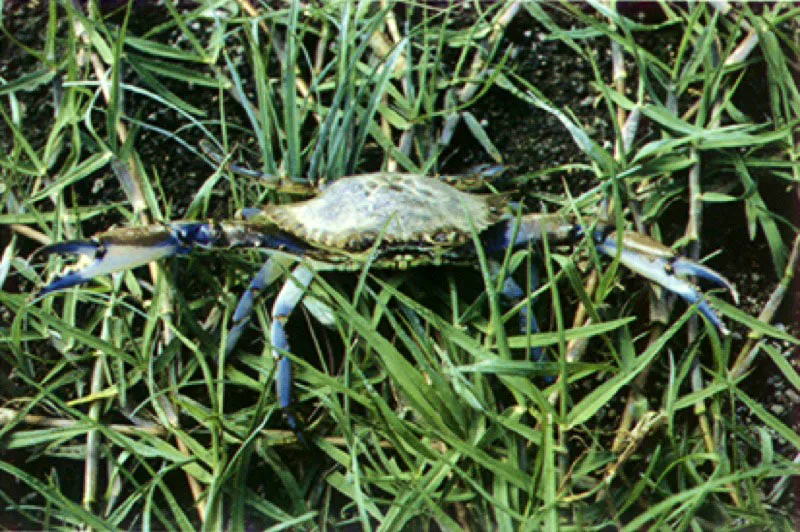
(112, 252)
(685, 267)
(123, 249)
(72, 247)
(283, 377)
(62, 283)
(659, 264)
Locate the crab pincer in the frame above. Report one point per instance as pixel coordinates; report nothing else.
(658, 263)
(122, 249)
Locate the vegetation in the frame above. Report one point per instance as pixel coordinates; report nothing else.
(423, 404)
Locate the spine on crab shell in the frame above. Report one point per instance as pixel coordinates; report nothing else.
(123, 249)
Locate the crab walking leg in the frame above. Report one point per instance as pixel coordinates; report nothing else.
(244, 308)
(288, 298)
(514, 294)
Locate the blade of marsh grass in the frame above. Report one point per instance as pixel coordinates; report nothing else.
(450, 408)
(114, 96)
(263, 120)
(22, 143)
(261, 129)
(758, 213)
(260, 504)
(291, 111)
(471, 345)
(139, 91)
(542, 339)
(403, 434)
(529, 368)
(85, 168)
(690, 400)
(680, 501)
(784, 96)
(492, 504)
(421, 497)
(391, 150)
(601, 395)
(752, 323)
(788, 433)
(702, 137)
(354, 477)
(67, 332)
(783, 365)
(343, 89)
(149, 72)
(502, 492)
(152, 70)
(53, 497)
(548, 484)
(28, 82)
(481, 136)
(406, 376)
(20, 439)
(132, 445)
(164, 51)
(377, 92)
(203, 195)
(71, 217)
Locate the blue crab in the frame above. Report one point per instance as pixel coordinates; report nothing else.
(388, 220)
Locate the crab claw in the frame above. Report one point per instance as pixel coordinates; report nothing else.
(124, 249)
(658, 263)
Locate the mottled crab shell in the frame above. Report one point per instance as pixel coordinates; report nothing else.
(418, 219)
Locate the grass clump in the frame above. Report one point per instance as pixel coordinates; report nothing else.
(423, 404)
